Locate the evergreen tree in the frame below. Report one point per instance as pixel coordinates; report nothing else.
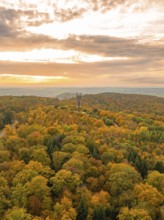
(159, 166)
(99, 213)
(141, 165)
(132, 156)
(82, 210)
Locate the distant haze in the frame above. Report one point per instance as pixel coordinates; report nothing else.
(53, 92)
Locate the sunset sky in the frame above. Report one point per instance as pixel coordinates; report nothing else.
(82, 43)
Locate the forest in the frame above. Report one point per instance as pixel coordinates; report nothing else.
(103, 162)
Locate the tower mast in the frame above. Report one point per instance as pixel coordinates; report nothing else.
(78, 98)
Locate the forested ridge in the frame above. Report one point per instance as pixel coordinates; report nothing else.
(105, 162)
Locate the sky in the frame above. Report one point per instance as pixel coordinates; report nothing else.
(115, 43)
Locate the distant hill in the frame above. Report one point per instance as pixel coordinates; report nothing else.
(54, 91)
(126, 102)
(66, 95)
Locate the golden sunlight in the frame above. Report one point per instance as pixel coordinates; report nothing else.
(97, 42)
(57, 56)
(31, 79)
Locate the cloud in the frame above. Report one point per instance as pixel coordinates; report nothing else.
(109, 73)
(98, 45)
(131, 29)
(7, 22)
(38, 12)
(66, 11)
(93, 69)
(113, 46)
(146, 80)
(133, 5)
(105, 5)
(13, 21)
(68, 14)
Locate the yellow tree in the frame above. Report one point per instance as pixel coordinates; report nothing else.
(133, 214)
(149, 198)
(64, 210)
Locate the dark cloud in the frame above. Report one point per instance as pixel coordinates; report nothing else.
(113, 46)
(6, 31)
(8, 15)
(7, 22)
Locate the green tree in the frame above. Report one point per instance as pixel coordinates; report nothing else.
(156, 179)
(64, 179)
(139, 163)
(141, 166)
(17, 214)
(82, 210)
(39, 195)
(159, 166)
(19, 195)
(24, 154)
(99, 213)
(9, 117)
(121, 181)
(41, 156)
(4, 155)
(122, 177)
(4, 195)
(149, 198)
(59, 158)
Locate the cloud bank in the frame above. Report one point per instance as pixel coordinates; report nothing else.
(111, 41)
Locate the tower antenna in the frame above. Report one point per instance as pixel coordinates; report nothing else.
(78, 98)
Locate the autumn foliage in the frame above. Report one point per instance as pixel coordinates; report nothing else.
(102, 163)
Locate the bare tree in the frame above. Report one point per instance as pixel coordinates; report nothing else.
(78, 98)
